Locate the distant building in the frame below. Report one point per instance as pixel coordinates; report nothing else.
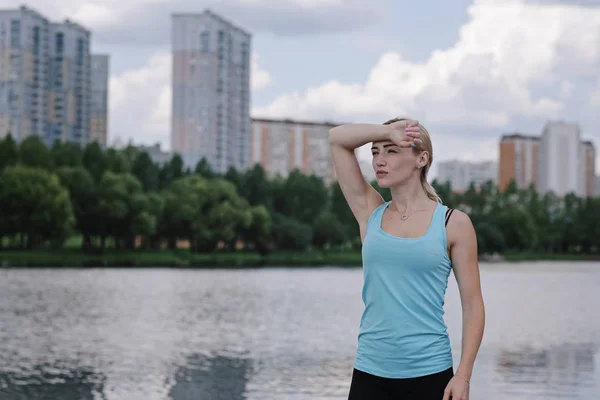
(589, 166)
(44, 77)
(99, 105)
(282, 145)
(211, 91)
(70, 83)
(519, 159)
(157, 155)
(460, 174)
(562, 164)
(24, 73)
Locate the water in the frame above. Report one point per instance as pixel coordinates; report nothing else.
(113, 334)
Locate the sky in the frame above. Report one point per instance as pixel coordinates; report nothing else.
(469, 70)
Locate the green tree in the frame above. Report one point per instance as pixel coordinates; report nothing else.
(113, 161)
(204, 211)
(290, 234)
(34, 205)
(145, 171)
(95, 161)
(9, 152)
(171, 171)
(34, 153)
(84, 200)
(327, 230)
(256, 188)
(125, 209)
(302, 197)
(204, 169)
(340, 208)
(66, 154)
(258, 234)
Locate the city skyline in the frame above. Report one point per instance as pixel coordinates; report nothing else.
(46, 78)
(351, 56)
(361, 71)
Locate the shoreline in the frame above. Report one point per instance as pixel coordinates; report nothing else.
(185, 259)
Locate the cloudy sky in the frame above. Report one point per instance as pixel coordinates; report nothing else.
(470, 70)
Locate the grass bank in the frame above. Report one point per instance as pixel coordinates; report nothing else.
(164, 258)
(184, 258)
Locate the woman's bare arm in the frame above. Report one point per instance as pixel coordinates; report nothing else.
(463, 252)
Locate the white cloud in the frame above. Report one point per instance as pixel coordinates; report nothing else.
(259, 78)
(147, 22)
(140, 102)
(485, 82)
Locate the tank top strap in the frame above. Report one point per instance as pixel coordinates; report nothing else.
(438, 224)
(376, 216)
(439, 217)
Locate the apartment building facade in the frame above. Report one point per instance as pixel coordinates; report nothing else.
(461, 174)
(518, 160)
(283, 145)
(100, 67)
(44, 77)
(211, 91)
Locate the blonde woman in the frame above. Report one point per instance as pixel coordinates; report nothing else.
(409, 246)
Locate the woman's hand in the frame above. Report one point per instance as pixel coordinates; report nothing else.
(457, 389)
(405, 133)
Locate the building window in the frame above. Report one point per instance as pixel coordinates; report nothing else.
(36, 40)
(80, 51)
(204, 42)
(15, 34)
(60, 43)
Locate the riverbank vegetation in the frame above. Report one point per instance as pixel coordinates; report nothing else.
(92, 205)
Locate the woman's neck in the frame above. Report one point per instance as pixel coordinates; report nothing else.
(410, 196)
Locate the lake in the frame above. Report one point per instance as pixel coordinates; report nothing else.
(277, 333)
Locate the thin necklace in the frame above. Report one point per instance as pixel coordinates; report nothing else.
(405, 216)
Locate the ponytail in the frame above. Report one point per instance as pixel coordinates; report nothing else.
(431, 193)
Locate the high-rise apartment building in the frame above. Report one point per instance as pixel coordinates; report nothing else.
(461, 174)
(99, 100)
(211, 91)
(561, 162)
(44, 77)
(70, 78)
(283, 145)
(24, 73)
(589, 166)
(519, 159)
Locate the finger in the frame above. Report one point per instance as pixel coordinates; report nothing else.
(413, 123)
(447, 394)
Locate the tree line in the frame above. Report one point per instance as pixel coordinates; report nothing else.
(120, 198)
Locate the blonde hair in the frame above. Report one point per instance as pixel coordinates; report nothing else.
(428, 147)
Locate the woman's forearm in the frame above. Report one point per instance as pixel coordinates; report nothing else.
(352, 136)
(473, 326)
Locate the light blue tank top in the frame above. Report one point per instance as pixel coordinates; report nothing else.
(402, 330)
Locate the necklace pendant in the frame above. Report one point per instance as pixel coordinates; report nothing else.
(404, 217)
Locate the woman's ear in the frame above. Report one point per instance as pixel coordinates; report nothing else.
(423, 159)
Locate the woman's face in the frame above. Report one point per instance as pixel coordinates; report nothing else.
(392, 164)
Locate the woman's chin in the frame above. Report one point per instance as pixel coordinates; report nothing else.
(382, 183)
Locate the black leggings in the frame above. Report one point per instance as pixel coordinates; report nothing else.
(365, 386)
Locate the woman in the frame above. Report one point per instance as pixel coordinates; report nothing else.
(410, 244)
